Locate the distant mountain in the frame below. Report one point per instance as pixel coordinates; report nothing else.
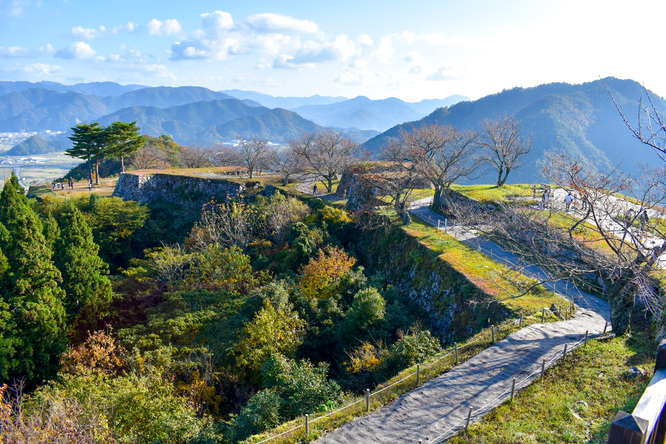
(164, 96)
(36, 145)
(38, 109)
(427, 106)
(580, 120)
(290, 103)
(101, 89)
(361, 112)
(277, 125)
(183, 123)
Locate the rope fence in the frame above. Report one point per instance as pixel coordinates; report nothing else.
(420, 374)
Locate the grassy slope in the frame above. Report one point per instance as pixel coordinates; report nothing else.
(576, 401)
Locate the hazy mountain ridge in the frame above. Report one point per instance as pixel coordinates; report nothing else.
(37, 145)
(580, 120)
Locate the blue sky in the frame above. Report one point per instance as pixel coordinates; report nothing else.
(411, 50)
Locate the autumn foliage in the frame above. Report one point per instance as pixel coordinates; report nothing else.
(318, 278)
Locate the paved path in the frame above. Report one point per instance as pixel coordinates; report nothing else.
(438, 409)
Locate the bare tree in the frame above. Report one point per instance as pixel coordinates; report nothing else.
(400, 180)
(227, 156)
(503, 146)
(327, 154)
(195, 157)
(227, 224)
(149, 156)
(254, 153)
(442, 155)
(285, 161)
(623, 224)
(650, 128)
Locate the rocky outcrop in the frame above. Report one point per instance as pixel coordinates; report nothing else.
(181, 190)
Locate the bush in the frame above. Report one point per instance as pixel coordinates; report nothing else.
(409, 350)
(261, 413)
(302, 386)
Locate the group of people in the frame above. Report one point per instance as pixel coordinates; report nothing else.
(61, 186)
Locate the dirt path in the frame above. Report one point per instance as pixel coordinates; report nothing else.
(439, 408)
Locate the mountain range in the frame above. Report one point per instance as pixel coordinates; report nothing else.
(579, 120)
(196, 115)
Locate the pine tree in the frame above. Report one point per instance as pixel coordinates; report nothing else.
(84, 273)
(122, 139)
(33, 332)
(88, 145)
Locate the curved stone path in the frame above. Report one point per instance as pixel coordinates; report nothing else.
(439, 408)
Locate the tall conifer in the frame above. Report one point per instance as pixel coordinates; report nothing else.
(84, 273)
(34, 331)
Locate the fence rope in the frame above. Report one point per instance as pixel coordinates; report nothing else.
(427, 366)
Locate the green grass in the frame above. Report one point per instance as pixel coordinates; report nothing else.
(506, 285)
(576, 401)
(493, 193)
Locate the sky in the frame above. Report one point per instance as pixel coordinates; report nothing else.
(413, 50)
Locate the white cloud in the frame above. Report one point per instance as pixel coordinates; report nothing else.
(78, 50)
(269, 22)
(81, 33)
(163, 27)
(15, 8)
(413, 57)
(35, 68)
(364, 40)
(342, 48)
(356, 77)
(385, 50)
(215, 23)
(14, 52)
(441, 74)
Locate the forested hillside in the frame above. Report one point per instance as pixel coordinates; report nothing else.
(579, 120)
(146, 324)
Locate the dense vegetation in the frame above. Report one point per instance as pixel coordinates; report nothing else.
(118, 325)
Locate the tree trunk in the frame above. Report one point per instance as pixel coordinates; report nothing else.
(500, 182)
(439, 200)
(621, 299)
(96, 170)
(90, 171)
(402, 211)
(122, 164)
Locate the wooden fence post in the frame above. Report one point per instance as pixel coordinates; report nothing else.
(543, 316)
(543, 368)
(457, 360)
(367, 400)
(605, 327)
(492, 328)
(513, 389)
(418, 374)
(307, 425)
(586, 335)
(469, 417)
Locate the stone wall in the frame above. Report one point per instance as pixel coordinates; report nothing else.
(456, 308)
(182, 190)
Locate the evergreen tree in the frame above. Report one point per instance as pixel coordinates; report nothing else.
(32, 333)
(122, 139)
(84, 273)
(88, 145)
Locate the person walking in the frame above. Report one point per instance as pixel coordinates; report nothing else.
(568, 199)
(314, 189)
(546, 198)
